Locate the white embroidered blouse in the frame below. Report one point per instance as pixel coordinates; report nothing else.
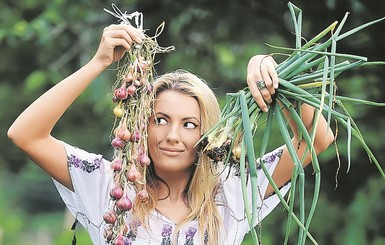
(91, 176)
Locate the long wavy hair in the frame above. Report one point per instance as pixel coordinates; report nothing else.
(204, 182)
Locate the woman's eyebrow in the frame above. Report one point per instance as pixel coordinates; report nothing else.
(161, 114)
(189, 118)
(157, 114)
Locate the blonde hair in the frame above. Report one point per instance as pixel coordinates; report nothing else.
(202, 188)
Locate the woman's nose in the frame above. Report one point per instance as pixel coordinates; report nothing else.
(173, 135)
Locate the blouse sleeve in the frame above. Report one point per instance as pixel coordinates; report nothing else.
(232, 191)
(91, 178)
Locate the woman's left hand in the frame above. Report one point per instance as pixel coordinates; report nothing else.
(262, 79)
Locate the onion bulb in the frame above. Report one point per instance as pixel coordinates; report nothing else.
(117, 143)
(124, 204)
(116, 192)
(144, 160)
(119, 240)
(123, 133)
(109, 217)
(116, 164)
(121, 93)
(133, 175)
(131, 90)
(118, 111)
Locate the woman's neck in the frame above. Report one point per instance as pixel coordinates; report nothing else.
(174, 186)
(171, 199)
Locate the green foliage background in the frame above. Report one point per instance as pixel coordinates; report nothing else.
(41, 42)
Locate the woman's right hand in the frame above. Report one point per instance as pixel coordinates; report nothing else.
(115, 41)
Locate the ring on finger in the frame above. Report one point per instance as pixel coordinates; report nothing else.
(261, 84)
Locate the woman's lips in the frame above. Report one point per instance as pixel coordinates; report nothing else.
(171, 151)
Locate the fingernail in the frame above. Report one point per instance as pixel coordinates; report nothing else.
(139, 40)
(265, 109)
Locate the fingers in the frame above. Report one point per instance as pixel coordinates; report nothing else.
(262, 80)
(122, 35)
(115, 41)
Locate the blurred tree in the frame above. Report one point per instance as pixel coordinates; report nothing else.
(41, 42)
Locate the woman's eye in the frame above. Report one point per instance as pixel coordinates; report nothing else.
(160, 121)
(190, 125)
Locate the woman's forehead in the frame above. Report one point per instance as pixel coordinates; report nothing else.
(176, 103)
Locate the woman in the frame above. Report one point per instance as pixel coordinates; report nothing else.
(188, 204)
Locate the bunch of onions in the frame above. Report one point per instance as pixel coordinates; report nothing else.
(132, 98)
(306, 76)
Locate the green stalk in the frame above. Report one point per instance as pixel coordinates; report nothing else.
(287, 140)
(237, 132)
(299, 82)
(331, 75)
(373, 63)
(349, 142)
(305, 55)
(284, 203)
(360, 138)
(313, 52)
(296, 13)
(315, 39)
(310, 146)
(339, 27)
(360, 101)
(217, 126)
(250, 153)
(313, 102)
(294, 178)
(242, 169)
(346, 34)
(266, 134)
(265, 138)
(316, 76)
(305, 67)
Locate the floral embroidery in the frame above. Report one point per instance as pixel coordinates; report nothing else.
(84, 165)
(270, 158)
(131, 236)
(190, 233)
(128, 241)
(166, 233)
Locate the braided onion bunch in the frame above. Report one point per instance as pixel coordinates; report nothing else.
(132, 99)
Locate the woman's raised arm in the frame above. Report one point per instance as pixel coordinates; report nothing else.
(262, 68)
(31, 131)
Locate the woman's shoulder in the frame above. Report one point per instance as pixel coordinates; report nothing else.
(78, 158)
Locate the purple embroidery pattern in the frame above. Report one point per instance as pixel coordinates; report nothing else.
(74, 161)
(267, 159)
(166, 233)
(128, 241)
(270, 158)
(131, 236)
(190, 233)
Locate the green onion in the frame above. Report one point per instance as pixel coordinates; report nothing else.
(308, 75)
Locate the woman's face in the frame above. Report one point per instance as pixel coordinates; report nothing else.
(173, 131)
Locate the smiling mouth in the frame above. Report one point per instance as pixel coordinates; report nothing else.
(170, 151)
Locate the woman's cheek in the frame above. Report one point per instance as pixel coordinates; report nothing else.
(193, 138)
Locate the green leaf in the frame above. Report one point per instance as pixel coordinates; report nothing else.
(35, 81)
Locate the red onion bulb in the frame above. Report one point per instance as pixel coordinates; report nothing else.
(116, 192)
(124, 204)
(109, 217)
